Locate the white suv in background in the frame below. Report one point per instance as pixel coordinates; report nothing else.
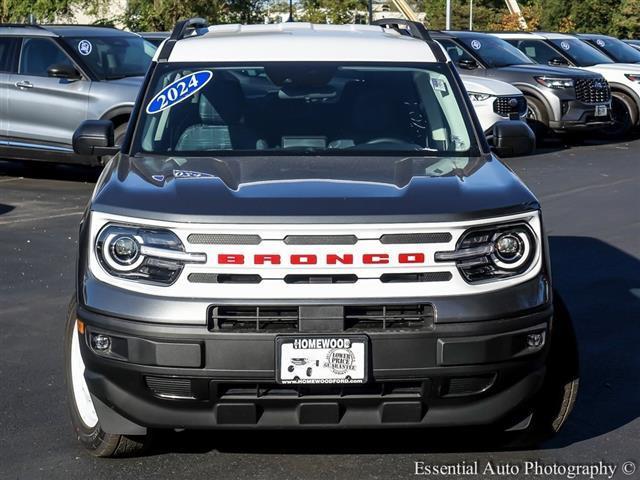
(494, 100)
(558, 49)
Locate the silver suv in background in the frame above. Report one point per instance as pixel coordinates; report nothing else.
(52, 78)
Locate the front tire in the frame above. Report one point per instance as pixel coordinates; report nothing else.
(84, 419)
(622, 114)
(537, 117)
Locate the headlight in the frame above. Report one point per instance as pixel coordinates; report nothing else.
(634, 77)
(478, 97)
(492, 253)
(154, 256)
(554, 82)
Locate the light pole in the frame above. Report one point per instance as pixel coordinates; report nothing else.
(290, 11)
(448, 16)
(470, 15)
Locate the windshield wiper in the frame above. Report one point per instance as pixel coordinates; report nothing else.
(124, 75)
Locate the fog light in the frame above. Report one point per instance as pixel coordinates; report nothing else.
(100, 342)
(535, 340)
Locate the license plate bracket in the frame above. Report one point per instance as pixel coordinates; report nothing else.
(321, 359)
(601, 110)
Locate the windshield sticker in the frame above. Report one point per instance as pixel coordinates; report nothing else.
(439, 85)
(85, 47)
(191, 174)
(565, 45)
(600, 42)
(178, 91)
(476, 45)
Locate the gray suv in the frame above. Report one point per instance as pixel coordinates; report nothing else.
(557, 99)
(52, 78)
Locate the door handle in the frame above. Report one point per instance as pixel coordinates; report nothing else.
(24, 84)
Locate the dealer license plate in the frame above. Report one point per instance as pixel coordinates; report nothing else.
(321, 359)
(601, 110)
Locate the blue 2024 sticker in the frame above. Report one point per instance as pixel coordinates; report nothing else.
(178, 91)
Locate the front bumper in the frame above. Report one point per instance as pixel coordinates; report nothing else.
(577, 115)
(450, 374)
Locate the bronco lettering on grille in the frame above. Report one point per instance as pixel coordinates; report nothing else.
(313, 259)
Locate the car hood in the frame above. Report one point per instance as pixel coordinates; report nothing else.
(618, 67)
(489, 86)
(539, 70)
(310, 189)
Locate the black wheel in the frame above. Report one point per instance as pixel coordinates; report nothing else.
(118, 136)
(537, 117)
(622, 113)
(554, 402)
(83, 415)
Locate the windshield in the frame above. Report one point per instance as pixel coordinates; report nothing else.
(580, 53)
(495, 52)
(617, 49)
(289, 108)
(113, 57)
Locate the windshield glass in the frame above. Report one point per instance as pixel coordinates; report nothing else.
(113, 57)
(289, 108)
(580, 53)
(617, 49)
(495, 52)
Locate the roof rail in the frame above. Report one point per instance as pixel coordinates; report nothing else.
(23, 25)
(416, 30)
(182, 29)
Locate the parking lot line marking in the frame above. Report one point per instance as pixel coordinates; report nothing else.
(35, 219)
(586, 188)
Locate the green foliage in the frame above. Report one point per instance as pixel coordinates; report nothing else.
(626, 20)
(615, 17)
(18, 11)
(332, 11)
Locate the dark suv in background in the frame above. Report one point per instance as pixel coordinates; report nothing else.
(52, 78)
(558, 99)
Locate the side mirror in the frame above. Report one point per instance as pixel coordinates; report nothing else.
(467, 64)
(94, 137)
(512, 138)
(62, 70)
(558, 62)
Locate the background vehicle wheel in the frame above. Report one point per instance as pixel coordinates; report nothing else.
(623, 113)
(557, 396)
(118, 136)
(83, 415)
(537, 117)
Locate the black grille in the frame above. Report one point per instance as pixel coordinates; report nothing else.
(502, 106)
(273, 390)
(593, 90)
(255, 318)
(203, 277)
(286, 319)
(321, 240)
(167, 387)
(415, 277)
(223, 239)
(388, 317)
(404, 238)
(460, 386)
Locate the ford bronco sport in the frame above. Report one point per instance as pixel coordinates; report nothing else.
(305, 228)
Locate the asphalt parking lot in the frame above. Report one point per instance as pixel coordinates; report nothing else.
(591, 199)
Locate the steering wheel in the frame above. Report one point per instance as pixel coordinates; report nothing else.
(374, 141)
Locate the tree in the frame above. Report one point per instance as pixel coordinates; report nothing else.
(626, 20)
(42, 10)
(331, 11)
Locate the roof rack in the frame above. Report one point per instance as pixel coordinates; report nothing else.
(182, 29)
(22, 25)
(415, 30)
